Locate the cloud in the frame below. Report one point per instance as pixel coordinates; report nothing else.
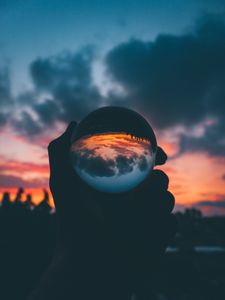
(211, 207)
(19, 167)
(67, 78)
(142, 163)
(11, 181)
(212, 141)
(63, 91)
(215, 203)
(11, 170)
(124, 164)
(26, 124)
(177, 80)
(4, 86)
(95, 165)
(47, 111)
(6, 100)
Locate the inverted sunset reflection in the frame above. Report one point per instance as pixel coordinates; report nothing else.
(112, 162)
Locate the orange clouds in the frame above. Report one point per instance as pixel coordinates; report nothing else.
(18, 167)
(195, 177)
(110, 144)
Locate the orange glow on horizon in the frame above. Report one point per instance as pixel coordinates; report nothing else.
(36, 193)
(193, 177)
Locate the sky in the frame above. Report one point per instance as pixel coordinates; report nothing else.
(59, 60)
(112, 162)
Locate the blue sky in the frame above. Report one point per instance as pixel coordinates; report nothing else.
(33, 28)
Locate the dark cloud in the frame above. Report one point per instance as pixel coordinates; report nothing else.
(142, 163)
(211, 142)
(26, 124)
(63, 91)
(11, 181)
(215, 203)
(95, 165)
(4, 86)
(124, 164)
(177, 80)
(67, 78)
(73, 69)
(6, 100)
(223, 176)
(3, 118)
(211, 207)
(47, 111)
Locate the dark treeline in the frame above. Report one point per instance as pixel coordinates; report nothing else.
(21, 206)
(28, 238)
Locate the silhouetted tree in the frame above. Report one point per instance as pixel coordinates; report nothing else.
(6, 203)
(44, 206)
(28, 202)
(19, 195)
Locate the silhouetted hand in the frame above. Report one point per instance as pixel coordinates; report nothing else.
(113, 240)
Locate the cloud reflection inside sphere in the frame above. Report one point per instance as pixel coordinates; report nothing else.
(111, 155)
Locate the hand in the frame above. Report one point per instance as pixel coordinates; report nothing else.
(123, 234)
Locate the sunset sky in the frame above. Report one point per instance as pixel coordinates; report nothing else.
(59, 60)
(115, 162)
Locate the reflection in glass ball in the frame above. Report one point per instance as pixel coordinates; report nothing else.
(113, 149)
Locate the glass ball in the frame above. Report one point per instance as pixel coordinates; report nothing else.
(113, 149)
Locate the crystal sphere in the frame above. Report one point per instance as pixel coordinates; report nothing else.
(113, 149)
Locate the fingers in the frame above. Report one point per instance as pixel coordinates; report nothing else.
(166, 202)
(161, 157)
(159, 180)
(156, 181)
(153, 195)
(158, 189)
